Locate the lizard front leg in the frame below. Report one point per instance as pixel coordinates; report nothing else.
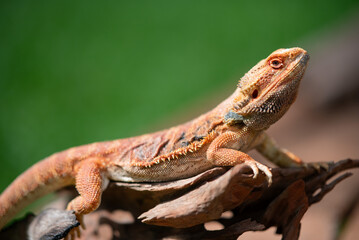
(222, 152)
(279, 156)
(90, 182)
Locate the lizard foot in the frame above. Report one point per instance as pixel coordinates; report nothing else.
(76, 231)
(254, 165)
(73, 233)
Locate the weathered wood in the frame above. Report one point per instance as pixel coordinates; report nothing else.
(179, 208)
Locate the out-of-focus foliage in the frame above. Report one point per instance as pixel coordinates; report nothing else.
(74, 72)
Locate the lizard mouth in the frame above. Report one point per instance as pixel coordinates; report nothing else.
(304, 57)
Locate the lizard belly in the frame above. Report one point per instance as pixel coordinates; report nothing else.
(164, 171)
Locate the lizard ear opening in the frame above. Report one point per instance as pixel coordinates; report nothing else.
(255, 93)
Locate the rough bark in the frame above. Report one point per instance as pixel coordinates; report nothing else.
(179, 209)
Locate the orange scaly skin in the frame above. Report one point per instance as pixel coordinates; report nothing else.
(218, 138)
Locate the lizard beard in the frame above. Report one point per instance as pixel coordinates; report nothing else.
(264, 113)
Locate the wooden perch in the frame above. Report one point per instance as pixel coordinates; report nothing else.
(179, 208)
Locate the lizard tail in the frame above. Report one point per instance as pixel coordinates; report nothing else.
(42, 178)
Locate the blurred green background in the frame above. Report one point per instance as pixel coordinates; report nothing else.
(75, 72)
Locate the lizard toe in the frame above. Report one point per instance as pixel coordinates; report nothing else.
(266, 170)
(76, 231)
(73, 234)
(254, 168)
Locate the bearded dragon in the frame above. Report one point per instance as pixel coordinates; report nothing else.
(220, 137)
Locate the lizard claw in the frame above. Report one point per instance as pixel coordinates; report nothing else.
(76, 231)
(255, 166)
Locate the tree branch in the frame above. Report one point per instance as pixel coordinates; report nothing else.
(178, 209)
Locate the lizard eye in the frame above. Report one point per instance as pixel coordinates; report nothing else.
(255, 93)
(276, 63)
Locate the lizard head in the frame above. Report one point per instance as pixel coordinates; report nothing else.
(266, 92)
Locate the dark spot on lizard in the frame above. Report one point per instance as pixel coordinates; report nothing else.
(197, 138)
(185, 143)
(193, 139)
(181, 137)
(162, 147)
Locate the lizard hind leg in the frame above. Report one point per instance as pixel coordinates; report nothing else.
(90, 183)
